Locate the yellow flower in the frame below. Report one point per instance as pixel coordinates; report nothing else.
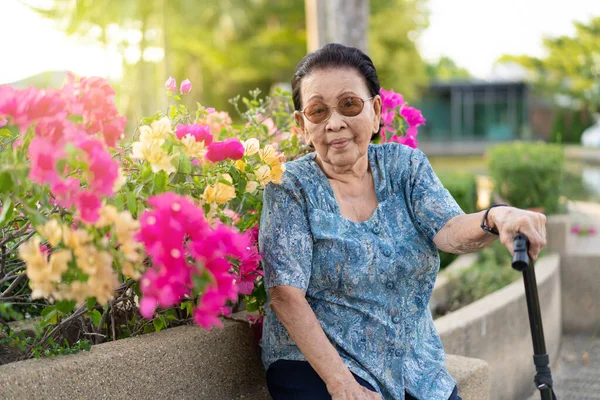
(224, 193)
(126, 227)
(31, 253)
(121, 180)
(89, 259)
(191, 148)
(104, 283)
(51, 230)
(263, 174)
(77, 290)
(239, 164)
(277, 173)
(269, 155)
(154, 154)
(209, 194)
(129, 270)
(157, 132)
(74, 239)
(59, 264)
(251, 186)
(108, 216)
(251, 146)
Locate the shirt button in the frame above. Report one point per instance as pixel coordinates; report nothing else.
(398, 353)
(389, 285)
(396, 319)
(376, 230)
(387, 252)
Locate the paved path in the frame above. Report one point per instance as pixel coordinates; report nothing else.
(576, 373)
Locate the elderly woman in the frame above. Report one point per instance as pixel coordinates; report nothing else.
(350, 245)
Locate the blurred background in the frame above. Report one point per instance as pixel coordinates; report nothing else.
(482, 72)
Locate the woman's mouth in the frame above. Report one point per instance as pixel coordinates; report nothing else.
(340, 143)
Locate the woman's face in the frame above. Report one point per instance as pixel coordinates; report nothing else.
(340, 140)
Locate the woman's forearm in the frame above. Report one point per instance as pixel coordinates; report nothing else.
(292, 309)
(463, 234)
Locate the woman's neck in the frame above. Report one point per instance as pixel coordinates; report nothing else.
(345, 173)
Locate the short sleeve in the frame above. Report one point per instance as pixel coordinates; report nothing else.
(285, 241)
(432, 204)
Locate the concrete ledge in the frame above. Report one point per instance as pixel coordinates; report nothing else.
(496, 330)
(442, 291)
(472, 376)
(580, 278)
(178, 363)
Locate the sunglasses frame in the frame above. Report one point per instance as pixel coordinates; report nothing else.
(330, 108)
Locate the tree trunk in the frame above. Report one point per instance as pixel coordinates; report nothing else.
(338, 21)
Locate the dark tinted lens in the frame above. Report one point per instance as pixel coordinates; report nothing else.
(350, 106)
(317, 112)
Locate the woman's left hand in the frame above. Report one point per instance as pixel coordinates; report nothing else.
(510, 220)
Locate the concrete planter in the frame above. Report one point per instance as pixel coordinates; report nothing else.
(179, 363)
(496, 330)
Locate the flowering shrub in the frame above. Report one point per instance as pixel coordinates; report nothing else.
(582, 230)
(167, 219)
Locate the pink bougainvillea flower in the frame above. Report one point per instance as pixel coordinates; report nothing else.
(198, 131)
(45, 250)
(88, 204)
(44, 156)
(3, 121)
(206, 314)
(390, 100)
(26, 106)
(231, 148)
(182, 244)
(592, 230)
(171, 84)
(412, 116)
(186, 86)
(575, 229)
(93, 99)
(407, 140)
(66, 191)
(103, 169)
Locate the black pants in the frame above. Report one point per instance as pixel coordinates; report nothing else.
(297, 380)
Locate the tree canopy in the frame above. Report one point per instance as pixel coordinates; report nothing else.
(571, 67)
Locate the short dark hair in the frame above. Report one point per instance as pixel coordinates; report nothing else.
(334, 55)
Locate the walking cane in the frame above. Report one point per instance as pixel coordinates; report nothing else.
(521, 262)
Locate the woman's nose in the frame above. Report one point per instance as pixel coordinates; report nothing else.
(335, 121)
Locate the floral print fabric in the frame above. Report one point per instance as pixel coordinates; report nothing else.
(369, 283)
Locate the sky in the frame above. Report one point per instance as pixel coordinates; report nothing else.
(472, 32)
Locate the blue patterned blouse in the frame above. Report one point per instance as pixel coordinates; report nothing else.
(369, 283)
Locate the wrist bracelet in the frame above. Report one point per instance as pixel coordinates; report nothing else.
(484, 225)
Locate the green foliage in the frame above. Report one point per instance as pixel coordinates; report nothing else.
(571, 67)
(491, 272)
(559, 127)
(445, 69)
(230, 47)
(463, 188)
(528, 175)
(392, 44)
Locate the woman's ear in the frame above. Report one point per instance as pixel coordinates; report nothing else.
(377, 112)
(300, 121)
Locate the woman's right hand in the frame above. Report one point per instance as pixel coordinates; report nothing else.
(354, 391)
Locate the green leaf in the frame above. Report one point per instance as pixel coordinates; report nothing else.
(131, 202)
(7, 211)
(6, 182)
(91, 302)
(96, 317)
(65, 306)
(159, 323)
(160, 182)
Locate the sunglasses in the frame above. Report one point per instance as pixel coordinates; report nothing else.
(349, 106)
